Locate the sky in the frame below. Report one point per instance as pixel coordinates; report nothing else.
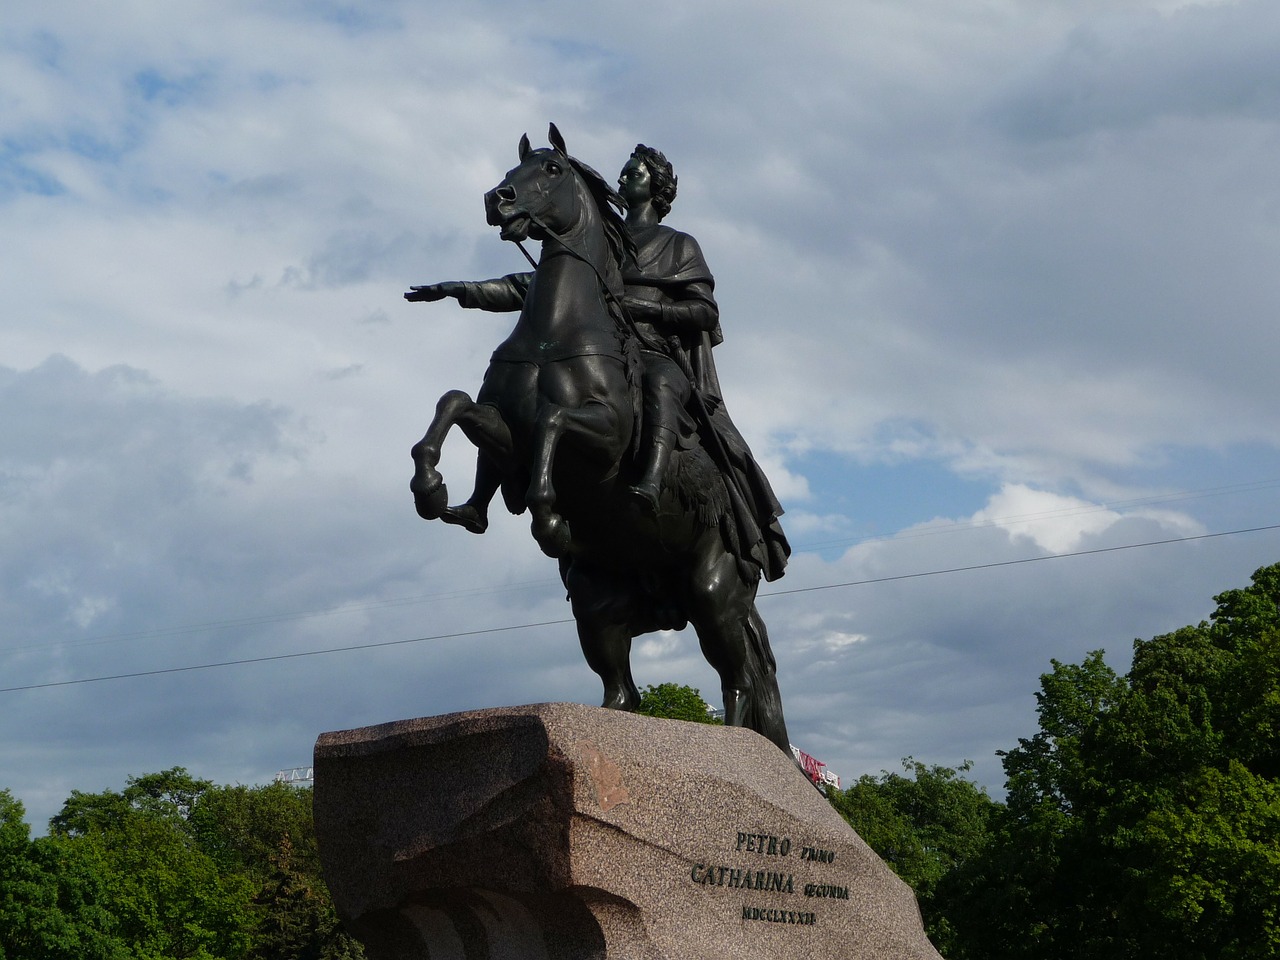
(997, 280)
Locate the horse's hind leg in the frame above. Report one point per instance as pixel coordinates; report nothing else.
(767, 718)
(599, 609)
(735, 643)
(608, 652)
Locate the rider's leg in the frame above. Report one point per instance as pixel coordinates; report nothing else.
(661, 441)
(665, 391)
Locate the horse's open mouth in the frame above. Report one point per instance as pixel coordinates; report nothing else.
(516, 227)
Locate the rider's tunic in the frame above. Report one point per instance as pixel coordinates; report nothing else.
(669, 269)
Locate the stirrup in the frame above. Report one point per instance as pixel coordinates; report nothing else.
(645, 495)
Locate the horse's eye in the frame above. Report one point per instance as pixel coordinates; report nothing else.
(552, 168)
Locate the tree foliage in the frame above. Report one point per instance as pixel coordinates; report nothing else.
(1143, 818)
(675, 702)
(925, 825)
(170, 867)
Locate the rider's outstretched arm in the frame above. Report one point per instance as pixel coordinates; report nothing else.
(499, 295)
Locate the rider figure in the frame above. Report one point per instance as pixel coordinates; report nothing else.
(668, 295)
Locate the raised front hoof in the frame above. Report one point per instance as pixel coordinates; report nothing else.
(430, 495)
(467, 517)
(552, 534)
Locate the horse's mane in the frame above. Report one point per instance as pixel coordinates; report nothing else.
(611, 207)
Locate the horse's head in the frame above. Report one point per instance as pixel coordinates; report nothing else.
(551, 189)
(543, 189)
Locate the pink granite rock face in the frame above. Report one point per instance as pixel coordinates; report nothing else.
(564, 832)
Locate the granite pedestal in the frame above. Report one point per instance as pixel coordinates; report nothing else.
(565, 832)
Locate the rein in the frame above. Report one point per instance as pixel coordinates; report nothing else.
(579, 255)
(532, 262)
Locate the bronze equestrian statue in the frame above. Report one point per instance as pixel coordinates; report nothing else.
(601, 414)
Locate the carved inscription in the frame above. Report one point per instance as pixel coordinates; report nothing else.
(763, 843)
(779, 916)
(817, 856)
(722, 876)
(774, 878)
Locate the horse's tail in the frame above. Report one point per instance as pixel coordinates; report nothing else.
(766, 700)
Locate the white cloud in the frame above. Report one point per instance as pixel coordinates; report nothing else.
(1055, 523)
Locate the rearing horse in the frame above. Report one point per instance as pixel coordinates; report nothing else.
(556, 417)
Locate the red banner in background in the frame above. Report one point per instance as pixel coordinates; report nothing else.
(815, 769)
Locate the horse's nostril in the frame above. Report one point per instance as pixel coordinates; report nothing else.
(506, 193)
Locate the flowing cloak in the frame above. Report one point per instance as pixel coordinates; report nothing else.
(669, 269)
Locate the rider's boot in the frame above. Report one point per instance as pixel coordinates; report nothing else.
(646, 490)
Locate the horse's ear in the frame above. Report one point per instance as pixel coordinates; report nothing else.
(524, 146)
(557, 141)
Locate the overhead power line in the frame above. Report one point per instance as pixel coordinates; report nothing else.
(283, 656)
(931, 529)
(1011, 563)
(550, 623)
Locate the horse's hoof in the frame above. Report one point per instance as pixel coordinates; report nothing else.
(430, 499)
(620, 700)
(467, 517)
(552, 534)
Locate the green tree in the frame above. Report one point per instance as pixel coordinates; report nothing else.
(170, 867)
(926, 826)
(267, 833)
(675, 702)
(165, 897)
(299, 920)
(1144, 818)
(51, 897)
(27, 899)
(1040, 887)
(169, 796)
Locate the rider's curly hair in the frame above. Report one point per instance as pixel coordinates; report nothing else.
(662, 177)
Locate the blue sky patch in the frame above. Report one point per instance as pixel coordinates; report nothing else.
(170, 91)
(882, 498)
(16, 176)
(350, 17)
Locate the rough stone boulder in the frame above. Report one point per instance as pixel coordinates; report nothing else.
(564, 832)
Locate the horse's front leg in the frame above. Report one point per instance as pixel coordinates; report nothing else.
(594, 428)
(484, 426)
